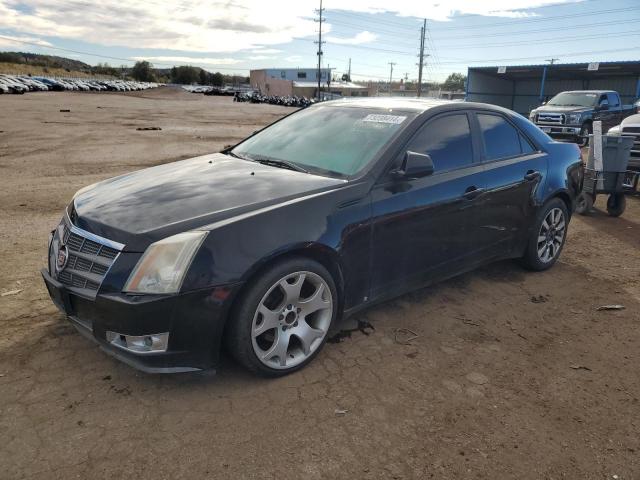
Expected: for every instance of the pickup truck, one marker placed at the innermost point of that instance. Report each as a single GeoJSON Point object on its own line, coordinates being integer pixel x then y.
{"type": "Point", "coordinates": [630, 126]}
{"type": "Point", "coordinates": [570, 115]}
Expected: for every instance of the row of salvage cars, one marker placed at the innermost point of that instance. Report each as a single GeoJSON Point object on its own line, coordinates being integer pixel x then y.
{"type": "Point", "coordinates": [23, 84]}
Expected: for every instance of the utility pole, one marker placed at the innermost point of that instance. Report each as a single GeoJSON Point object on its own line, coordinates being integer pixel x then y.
{"type": "Point", "coordinates": [349, 74]}
{"type": "Point", "coordinates": [544, 78]}
{"type": "Point", "coordinates": [319, 42]}
{"type": "Point", "coordinates": [423, 32]}
{"type": "Point", "coordinates": [391, 75]}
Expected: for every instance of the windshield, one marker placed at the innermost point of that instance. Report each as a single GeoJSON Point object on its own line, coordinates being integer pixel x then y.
{"type": "Point", "coordinates": [574, 99]}
{"type": "Point", "coordinates": [328, 140]}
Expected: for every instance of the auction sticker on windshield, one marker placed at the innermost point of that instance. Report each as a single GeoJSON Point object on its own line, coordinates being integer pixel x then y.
{"type": "Point", "coordinates": [378, 118]}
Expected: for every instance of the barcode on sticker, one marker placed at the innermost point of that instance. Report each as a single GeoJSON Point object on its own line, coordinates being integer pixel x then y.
{"type": "Point", "coordinates": [377, 118]}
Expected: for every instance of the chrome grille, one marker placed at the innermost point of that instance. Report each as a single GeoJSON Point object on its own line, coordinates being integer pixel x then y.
{"type": "Point", "coordinates": [88, 258]}
{"type": "Point", "coordinates": [635, 133]}
{"type": "Point", "coordinates": [551, 119]}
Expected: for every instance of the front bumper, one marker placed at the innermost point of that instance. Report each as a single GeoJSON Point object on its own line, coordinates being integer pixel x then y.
{"type": "Point", "coordinates": [561, 131]}
{"type": "Point", "coordinates": [195, 322]}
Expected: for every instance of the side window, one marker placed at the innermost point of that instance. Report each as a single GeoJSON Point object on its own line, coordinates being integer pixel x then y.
{"type": "Point", "coordinates": [602, 99]}
{"type": "Point", "coordinates": [447, 140]}
{"type": "Point", "coordinates": [501, 139]}
{"type": "Point", "coordinates": [302, 74]}
{"type": "Point", "coordinates": [613, 100]}
{"type": "Point", "coordinates": [525, 145]}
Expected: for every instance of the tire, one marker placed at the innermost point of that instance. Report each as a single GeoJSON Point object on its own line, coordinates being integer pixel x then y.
{"type": "Point", "coordinates": [584, 203]}
{"type": "Point", "coordinates": [616, 204]}
{"type": "Point", "coordinates": [270, 334]}
{"type": "Point", "coordinates": [585, 131]}
{"type": "Point", "coordinates": [547, 236]}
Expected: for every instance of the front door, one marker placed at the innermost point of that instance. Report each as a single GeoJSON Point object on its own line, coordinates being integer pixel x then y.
{"type": "Point", "coordinates": [424, 228]}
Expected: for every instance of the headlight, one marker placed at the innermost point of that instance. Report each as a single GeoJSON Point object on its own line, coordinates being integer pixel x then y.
{"type": "Point", "coordinates": [614, 130]}
{"type": "Point", "coordinates": [573, 118]}
{"type": "Point", "coordinates": [163, 266]}
{"type": "Point", "coordinates": [532, 115]}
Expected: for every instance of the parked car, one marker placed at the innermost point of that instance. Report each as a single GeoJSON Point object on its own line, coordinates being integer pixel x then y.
{"type": "Point", "coordinates": [631, 126]}
{"type": "Point", "coordinates": [327, 211]}
{"type": "Point", "coordinates": [12, 85]}
{"type": "Point", "coordinates": [570, 115]}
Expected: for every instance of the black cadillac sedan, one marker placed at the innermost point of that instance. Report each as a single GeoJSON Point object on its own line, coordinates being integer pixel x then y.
{"type": "Point", "coordinates": [264, 246]}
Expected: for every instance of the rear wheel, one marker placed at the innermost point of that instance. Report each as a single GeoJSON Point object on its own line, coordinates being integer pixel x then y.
{"type": "Point", "coordinates": [282, 320]}
{"type": "Point", "coordinates": [616, 204]}
{"type": "Point", "coordinates": [547, 236]}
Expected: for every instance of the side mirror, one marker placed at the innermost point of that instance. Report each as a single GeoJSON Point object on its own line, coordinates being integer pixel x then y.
{"type": "Point", "coordinates": [414, 165]}
{"type": "Point", "coordinates": [604, 105]}
{"type": "Point", "coordinates": [544, 103]}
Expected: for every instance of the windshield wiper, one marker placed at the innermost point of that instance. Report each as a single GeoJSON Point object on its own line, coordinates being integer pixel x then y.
{"type": "Point", "coordinates": [235, 155]}
{"type": "Point", "coordinates": [277, 163]}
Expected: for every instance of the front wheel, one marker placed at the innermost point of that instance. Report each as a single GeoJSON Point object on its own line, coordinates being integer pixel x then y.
{"type": "Point", "coordinates": [282, 320]}
{"type": "Point", "coordinates": [584, 203]}
{"type": "Point", "coordinates": [547, 236]}
{"type": "Point", "coordinates": [585, 131]}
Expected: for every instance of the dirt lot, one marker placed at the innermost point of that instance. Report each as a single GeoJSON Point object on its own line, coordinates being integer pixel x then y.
{"type": "Point", "coordinates": [513, 374]}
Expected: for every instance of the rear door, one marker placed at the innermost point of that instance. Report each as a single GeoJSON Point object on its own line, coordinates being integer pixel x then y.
{"type": "Point", "coordinates": [513, 171]}
{"type": "Point", "coordinates": [424, 228]}
{"type": "Point", "coordinates": [615, 110]}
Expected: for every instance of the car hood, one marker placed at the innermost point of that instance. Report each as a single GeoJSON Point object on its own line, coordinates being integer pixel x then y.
{"type": "Point", "coordinates": [631, 120]}
{"type": "Point", "coordinates": [144, 206]}
{"type": "Point", "coordinates": [560, 109]}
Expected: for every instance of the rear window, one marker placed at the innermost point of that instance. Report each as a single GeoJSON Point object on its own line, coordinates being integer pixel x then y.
{"type": "Point", "coordinates": [501, 139]}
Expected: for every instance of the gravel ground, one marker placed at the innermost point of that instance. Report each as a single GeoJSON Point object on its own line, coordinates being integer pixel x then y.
{"type": "Point", "coordinates": [512, 374]}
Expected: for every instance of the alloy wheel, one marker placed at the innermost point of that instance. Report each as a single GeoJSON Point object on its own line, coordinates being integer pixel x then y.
{"type": "Point", "coordinates": [551, 235]}
{"type": "Point", "coordinates": [291, 320]}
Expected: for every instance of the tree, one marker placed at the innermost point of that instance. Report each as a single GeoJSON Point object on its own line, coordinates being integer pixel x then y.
{"type": "Point", "coordinates": [185, 75]}
{"type": "Point", "coordinates": [454, 82]}
{"type": "Point", "coordinates": [217, 79]}
{"type": "Point", "coordinates": [204, 78]}
{"type": "Point", "coordinates": [143, 72]}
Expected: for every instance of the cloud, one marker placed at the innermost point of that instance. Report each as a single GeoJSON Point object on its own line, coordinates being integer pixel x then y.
{"type": "Point", "coordinates": [362, 37]}
{"type": "Point", "coordinates": [217, 26]}
{"type": "Point", "coordinates": [261, 57]}
{"type": "Point", "coordinates": [265, 51]}
{"type": "Point", "coordinates": [293, 58]}
{"type": "Point", "coordinates": [198, 61]}
{"type": "Point", "coordinates": [13, 42]}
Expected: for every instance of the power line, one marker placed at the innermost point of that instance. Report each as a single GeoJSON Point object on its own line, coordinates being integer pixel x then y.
{"type": "Point", "coordinates": [403, 25]}
{"type": "Point", "coordinates": [540, 30]}
{"type": "Point", "coordinates": [631, 33]}
{"type": "Point", "coordinates": [541, 19]}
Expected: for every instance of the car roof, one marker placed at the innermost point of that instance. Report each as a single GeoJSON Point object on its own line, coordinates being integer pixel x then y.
{"type": "Point", "coordinates": [398, 103]}
{"type": "Point", "coordinates": [589, 91]}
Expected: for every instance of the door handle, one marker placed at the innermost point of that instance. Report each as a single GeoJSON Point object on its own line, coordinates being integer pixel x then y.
{"type": "Point", "coordinates": [532, 175]}
{"type": "Point", "coordinates": [472, 192]}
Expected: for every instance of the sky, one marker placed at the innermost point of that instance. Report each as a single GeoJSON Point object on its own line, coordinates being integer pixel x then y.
{"type": "Point", "coordinates": [234, 36]}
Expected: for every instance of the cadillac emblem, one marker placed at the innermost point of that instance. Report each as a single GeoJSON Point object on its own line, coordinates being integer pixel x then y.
{"type": "Point", "coordinates": [61, 258]}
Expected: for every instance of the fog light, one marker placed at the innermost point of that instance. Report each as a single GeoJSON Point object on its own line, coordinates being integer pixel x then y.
{"type": "Point", "coordinates": [154, 343]}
